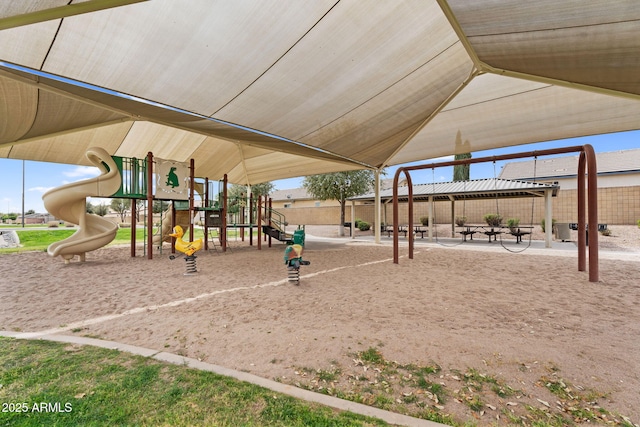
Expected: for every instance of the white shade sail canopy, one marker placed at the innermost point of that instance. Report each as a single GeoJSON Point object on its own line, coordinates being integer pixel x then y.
{"type": "Point", "coordinates": [270, 89]}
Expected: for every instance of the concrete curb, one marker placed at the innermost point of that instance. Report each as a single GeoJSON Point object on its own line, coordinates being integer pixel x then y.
{"type": "Point", "coordinates": [323, 399]}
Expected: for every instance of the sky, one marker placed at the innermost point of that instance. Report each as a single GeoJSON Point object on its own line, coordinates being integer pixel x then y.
{"type": "Point", "coordinates": [40, 177]}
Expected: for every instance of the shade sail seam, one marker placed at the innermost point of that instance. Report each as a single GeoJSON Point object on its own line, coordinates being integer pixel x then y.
{"type": "Point", "coordinates": [542, 30]}
{"type": "Point", "coordinates": [371, 98]}
{"type": "Point", "coordinates": [551, 81]}
{"type": "Point", "coordinates": [266, 70]}
{"type": "Point", "coordinates": [472, 74]}
{"type": "Point", "coordinates": [511, 95]}
{"type": "Point", "coordinates": [53, 40]}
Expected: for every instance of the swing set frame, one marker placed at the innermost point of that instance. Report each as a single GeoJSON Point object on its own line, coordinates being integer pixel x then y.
{"type": "Point", "coordinates": [587, 194]}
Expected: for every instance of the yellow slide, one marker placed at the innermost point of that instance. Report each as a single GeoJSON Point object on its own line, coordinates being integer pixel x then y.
{"type": "Point", "coordinates": [68, 203]}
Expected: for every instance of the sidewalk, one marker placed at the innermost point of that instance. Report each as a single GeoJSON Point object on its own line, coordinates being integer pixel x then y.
{"type": "Point", "coordinates": [535, 247]}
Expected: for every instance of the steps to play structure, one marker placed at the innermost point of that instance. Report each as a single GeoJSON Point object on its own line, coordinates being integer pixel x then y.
{"type": "Point", "coordinates": [68, 203]}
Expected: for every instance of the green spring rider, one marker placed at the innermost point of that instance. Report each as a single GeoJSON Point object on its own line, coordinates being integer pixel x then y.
{"type": "Point", "coordinates": [293, 257]}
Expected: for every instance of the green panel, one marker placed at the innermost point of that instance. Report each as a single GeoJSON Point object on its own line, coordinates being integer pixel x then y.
{"type": "Point", "coordinates": [181, 205]}
{"type": "Point", "coordinates": [134, 177]}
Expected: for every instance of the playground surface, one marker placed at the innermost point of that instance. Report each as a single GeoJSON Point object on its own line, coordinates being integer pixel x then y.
{"type": "Point", "coordinates": [525, 319]}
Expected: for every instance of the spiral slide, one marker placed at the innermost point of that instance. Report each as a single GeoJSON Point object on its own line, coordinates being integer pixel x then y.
{"type": "Point", "coordinates": [68, 203]}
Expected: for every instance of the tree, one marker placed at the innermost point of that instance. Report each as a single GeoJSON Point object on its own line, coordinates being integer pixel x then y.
{"type": "Point", "coordinates": [121, 206]}
{"type": "Point", "coordinates": [159, 206]}
{"type": "Point", "coordinates": [240, 191]}
{"type": "Point", "coordinates": [30, 212]}
{"type": "Point", "coordinates": [238, 195]}
{"type": "Point", "coordinates": [461, 172]}
{"type": "Point", "coordinates": [339, 186]}
{"type": "Point", "coordinates": [89, 208]}
{"type": "Point", "coordinates": [101, 209]}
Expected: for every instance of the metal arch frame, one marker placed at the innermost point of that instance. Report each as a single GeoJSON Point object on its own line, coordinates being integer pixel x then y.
{"type": "Point", "coordinates": [586, 168]}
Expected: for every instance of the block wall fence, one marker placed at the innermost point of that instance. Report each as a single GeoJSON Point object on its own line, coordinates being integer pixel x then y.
{"type": "Point", "coordinates": [616, 205]}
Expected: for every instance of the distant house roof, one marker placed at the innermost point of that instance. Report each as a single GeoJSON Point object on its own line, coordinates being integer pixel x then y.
{"type": "Point", "coordinates": [467, 190]}
{"type": "Point", "coordinates": [612, 162]}
{"type": "Point", "coordinates": [302, 194]}
{"type": "Point", "coordinates": [290, 194]}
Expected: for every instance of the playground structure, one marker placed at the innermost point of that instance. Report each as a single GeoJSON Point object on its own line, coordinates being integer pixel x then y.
{"type": "Point", "coordinates": [132, 178]}
{"type": "Point", "coordinates": [68, 203]}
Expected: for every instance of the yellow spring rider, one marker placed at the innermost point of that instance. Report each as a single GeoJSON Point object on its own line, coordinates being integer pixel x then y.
{"type": "Point", "coordinates": [187, 248]}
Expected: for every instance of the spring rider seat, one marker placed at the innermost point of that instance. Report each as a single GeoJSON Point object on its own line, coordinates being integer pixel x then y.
{"type": "Point", "coordinates": [293, 257]}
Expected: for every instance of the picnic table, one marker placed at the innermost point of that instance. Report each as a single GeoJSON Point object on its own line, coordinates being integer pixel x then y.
{"type": "Point", "coordinates": [401, 229]}
{"type": "Point", "coordinates": [467, 231]}
{"type": "Point", "coordinates": [420, 229]}
{"type": "Point", "coordinates": [492, 233]}
{"type": "Point", "coordinates": [516, 231]}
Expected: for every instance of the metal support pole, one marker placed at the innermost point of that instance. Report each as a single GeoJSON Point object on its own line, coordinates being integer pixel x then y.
{"type": "Point", "coordinates": [259, 222]}
{"type": "Point", "coordinates": [134, 203]}
{"type": "Point", "coordinates": [223, 226]}
{"type": "Point", "coordinates": [582, 214]}
{"type": "Point", "coordinates": [592, 189]}
{"type": "Point", "coordinates": [192, 185]}
{"type": "Point", "coordinates": [548, 218]}
{"type": "Point", "coordinates": [150, 205]}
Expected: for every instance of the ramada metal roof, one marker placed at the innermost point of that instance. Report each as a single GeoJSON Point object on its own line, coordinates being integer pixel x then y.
{"type": "Point", "coordinates": [612, 162]}
{"type": "Point", "coordinates": [467, 190]}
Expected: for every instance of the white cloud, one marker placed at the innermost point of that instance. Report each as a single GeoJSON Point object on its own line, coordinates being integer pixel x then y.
{"type": "Point", "coordinates": [82, 171]}
{"type": "Point", "coordinates": [40, 189]}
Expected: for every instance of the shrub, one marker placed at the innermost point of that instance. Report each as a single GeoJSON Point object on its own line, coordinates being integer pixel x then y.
{"type": "Point", "coordinates": [513, 222]}
{"type": "Point", "coordinates": [424, 220]}
{"type": "Point", "coordinates": [605, 232]}
{"type": "Point", "coordinates": [639, 223]}
{"type": "Point", "coordinates": [493, 220]}
{"type": "Point", "coordinates": [553, 224]}
{"type": "Point", "coordinates": [460, 221]}
{"type": "Point", "coordinates": [363, 225]}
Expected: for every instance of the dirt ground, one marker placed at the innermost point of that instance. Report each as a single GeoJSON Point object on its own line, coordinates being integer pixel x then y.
{"type": "Point", "coordinates": [492, 337]}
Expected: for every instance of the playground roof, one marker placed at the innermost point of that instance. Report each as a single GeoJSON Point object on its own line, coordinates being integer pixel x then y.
{"type": "Point", "coordinates": [270, 89]}
{"type": "Point", "coordinates": [490, 188]}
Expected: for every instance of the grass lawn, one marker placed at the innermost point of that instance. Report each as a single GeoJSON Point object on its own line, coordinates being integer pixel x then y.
{"type": "Point", "coordinates": [55, 384]}
{"type": "Point", "coordinates": [39, 240]}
